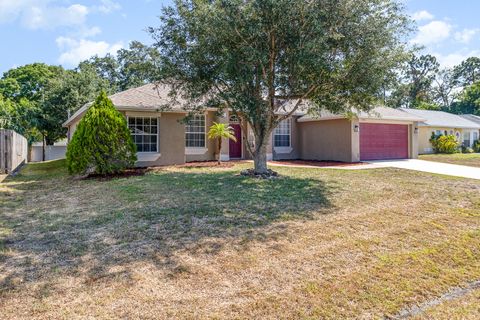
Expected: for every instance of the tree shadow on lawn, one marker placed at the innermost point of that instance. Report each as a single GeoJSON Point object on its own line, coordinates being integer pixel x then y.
{"type": "Point", "coordinates": [89, 227]}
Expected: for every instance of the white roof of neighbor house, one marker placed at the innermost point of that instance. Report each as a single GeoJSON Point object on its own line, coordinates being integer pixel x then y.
{"type": "Point", "coordinates": [442, 119]}
{"type": "Point", "coordinates": [471, 117]}
{"type": "Point", "coordinates": [149, 97]}
{"type": "Point", "coordinates": [380, 113]}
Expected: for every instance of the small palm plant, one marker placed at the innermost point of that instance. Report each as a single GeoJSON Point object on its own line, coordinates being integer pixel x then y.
{"type": "Point", "coordinates": [219, 131]}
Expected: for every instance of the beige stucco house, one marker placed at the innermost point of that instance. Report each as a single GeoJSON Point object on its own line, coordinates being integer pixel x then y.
{"type": "Point", "coordinates": [439, 122]}
{"type": "Point", "coordinates": [163, 139]}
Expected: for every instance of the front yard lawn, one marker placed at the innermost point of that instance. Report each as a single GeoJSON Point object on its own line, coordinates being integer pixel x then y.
{"type": "Point", "coordinates": [465, 159]}
{"type": "Point", "coordinates": [208, 243]}
{"type": "Point", "coordinates": [465, 307]}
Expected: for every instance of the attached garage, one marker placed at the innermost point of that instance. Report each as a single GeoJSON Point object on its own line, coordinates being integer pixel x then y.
{"type": "Point", "coordinates": [381, 141]}
{"type": "Point", "coordinates": [382, 134]}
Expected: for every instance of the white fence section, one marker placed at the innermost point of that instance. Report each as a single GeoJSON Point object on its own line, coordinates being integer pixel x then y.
{"type": "Point", "coordinates": [13, 150]}
{"type": "Point", "coordinates": [51, 153]}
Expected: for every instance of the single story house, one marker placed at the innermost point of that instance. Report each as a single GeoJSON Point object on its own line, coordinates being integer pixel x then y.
{"type": "Point", "coordinates": [439, 122]}
{"type": "Point", "coordinates": [163, 139]}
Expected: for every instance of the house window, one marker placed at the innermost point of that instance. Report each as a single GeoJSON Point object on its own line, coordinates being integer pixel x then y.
{"type": "Point", "coordinates": [281, 134]}
{"type": "Point", "coordinates": [195, 132]}
{"type": "Point", "coordinates": [144, 132]}
{"type": "Point", "coordinates": [475, 136]}
{"type": "Point", "coordinates": [466, 139]}
{"type": "Point", "coordinates": [438, 133]}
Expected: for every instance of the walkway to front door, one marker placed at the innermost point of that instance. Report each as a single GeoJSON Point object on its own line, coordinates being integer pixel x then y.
{"type": "Point", "coordinates": [235, 147]}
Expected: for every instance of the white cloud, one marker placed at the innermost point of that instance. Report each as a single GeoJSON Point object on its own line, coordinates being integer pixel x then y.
{"type": "Point", "coordinates": [75, 51]}
{"type": "Point", "coordinates": [49, 14]}
{"type": "Point", "coordinates": [422, 15]}
{"type": "Point", "coordinates": [108, 6]}
{"type": "Point", "coordinates": [453, 59]}
{"type": "Point", "coordinates": [42, 14]}
{"type": "Point", "coordinates": [37, 17]}
{"type": "Point", "coordinates": [86, 32]}
{"type": "Point", "coordinates": [466, 35]}
{"type": "Point", "coordinates": [11, 9]}
{"type": "Point", "coordinates": [433, 32]}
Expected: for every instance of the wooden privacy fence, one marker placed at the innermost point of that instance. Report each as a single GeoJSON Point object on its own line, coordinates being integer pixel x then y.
{"type": "Point", "coordinates": [13, 150]}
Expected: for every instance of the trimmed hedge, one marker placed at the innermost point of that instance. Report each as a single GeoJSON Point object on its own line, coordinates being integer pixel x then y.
{"type": "Point", "coordinates": [102, 143]}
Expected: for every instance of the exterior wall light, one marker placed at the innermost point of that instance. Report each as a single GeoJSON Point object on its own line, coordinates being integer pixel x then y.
{"type": "Point", "coordinates": [415, 130]}
{"type": "Point", "coordinates": [356, 128]}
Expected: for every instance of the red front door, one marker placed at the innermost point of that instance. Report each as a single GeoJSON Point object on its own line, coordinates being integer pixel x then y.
{"type": "Point", "coordinates": [383, 141]}
{"type": "Point", "coordinates": [236, 146]}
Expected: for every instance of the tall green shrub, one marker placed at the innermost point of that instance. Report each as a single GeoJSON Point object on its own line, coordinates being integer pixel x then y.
{"type": "Point", "coordinates": [102, 143]}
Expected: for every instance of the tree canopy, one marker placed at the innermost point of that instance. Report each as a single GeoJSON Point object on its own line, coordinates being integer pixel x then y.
{"type": "Point", "coordinates": [254, 57]}
{"type": "Point", "coordinates": [129, 68]}
{"type": "Point", "coordinates": [38, 98]}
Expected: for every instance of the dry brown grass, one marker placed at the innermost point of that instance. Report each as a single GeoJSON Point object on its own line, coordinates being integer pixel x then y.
{"type": "Point", "coordinates": [465, 308]}
{"type": "Point", "coordinates": [207, 243]}
{"type": "Point", "coordinates": [465, 159]}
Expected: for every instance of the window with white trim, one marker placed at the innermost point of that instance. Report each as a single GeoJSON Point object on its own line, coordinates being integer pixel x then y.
{"type": "Point", "coordinates": [144, 132]}
{"type": "Point", "coordinates": [281, 134]}
{"type": "Point", "coordinates": [475, 136]}
{"type": "Point", "coordinates": [195, 132]}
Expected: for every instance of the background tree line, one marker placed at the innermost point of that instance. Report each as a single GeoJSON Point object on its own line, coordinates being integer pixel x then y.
{"type": "Point", "coordinates": [422, 84]}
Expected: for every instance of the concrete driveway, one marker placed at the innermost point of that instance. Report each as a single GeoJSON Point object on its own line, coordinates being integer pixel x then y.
{"type": "Point", "coordinates": [431, 167]}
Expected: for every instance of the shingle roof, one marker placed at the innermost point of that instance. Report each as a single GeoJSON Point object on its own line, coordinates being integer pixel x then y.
{"type": "Point", "coordinates": [471, 117]}
{"type": "Point", "coordinates": [149, 97]}
{"type": "Point", "coordinates": [381, 113]}
{"type": "Point", "coordinates": [442, 119]}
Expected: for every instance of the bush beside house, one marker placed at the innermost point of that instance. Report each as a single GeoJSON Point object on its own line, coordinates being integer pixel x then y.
{"type": "Point", "coordinates": [476, 146]}
{"type": "Point", "coordinates": [102, 143]}
{"type": "Point", "coordinates": [444, 143]}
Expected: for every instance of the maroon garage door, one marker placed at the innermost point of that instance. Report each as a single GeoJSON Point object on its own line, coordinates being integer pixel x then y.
{"type": "Point", "coordinates": [383, 141]}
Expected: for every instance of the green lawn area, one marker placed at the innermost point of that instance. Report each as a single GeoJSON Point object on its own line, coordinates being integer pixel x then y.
{"type": "Point", "coordinates": [466, 159]}
{"type": "Point", "coordinates": [208, 243]}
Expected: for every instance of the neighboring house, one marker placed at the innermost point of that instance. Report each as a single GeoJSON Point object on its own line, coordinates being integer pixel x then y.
{"type": "Point", "coordinates": [439, 122]}
{"type": "Point", "coordinates": [163, 139]}
{"type": "Point", "coordinates": [471, 117]}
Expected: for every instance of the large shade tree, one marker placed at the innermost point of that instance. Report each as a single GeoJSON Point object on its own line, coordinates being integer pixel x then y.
{"type": "Point", "coordinates": [256, 57]}
{"type": "Point", "coordinates": [129, 68]}
{"type": "Point", "coordinates": [416, 82]}
{"type": "Point", "coordinates": [26, 88]}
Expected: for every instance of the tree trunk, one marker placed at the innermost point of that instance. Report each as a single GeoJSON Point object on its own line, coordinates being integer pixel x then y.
{"type": "Point", "coordinates": [219, 150]}
{"type": "Point", "coordinates": [260, 155]}
{"type": "Point", "coordinates": [43, 149]}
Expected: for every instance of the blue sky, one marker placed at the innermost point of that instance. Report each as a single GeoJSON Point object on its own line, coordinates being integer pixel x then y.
{"type": "Point", "coordinates": [68, 31]}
